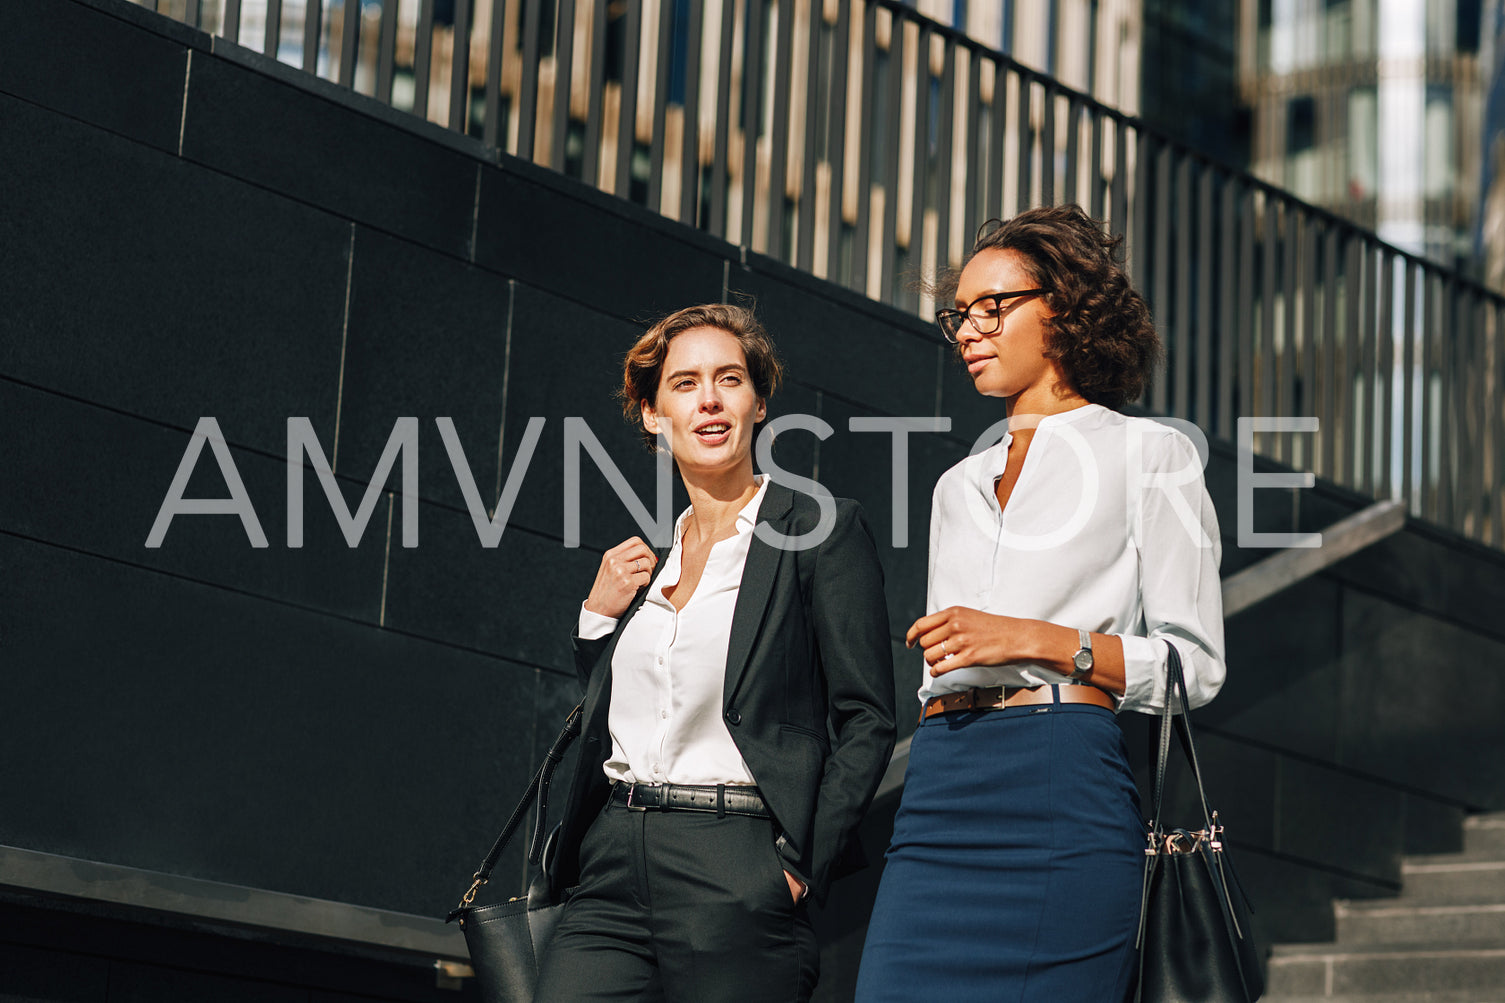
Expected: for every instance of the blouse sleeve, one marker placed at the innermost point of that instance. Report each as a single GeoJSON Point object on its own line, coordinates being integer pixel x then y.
{"type": "Point", "coordinates": [1176, 534]}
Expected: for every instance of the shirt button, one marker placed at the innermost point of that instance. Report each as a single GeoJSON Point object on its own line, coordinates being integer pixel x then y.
{"type": "Point", "coordinates": [664, 714]}
{"type": "Point", "coordinates": [661, 659]}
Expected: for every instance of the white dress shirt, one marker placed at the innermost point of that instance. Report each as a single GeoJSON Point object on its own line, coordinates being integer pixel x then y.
{"type": "Point", "coordinates": [669, 670]}
{"type": "Point", "coordinates": [1108, 528]}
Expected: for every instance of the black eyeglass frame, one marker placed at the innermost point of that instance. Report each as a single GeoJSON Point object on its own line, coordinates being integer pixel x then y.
{"type": "Point", "coordinates": [951, 321]}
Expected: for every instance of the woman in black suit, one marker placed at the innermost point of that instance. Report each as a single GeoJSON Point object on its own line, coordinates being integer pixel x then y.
{"type": "Point", "coordinates": [739, 707]}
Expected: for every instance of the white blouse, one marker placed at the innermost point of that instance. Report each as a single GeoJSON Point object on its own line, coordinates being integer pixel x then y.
{"type": "Point", "coordinates": [1109, 528]}
{"type": "Point", "coordinates": [669, 670]}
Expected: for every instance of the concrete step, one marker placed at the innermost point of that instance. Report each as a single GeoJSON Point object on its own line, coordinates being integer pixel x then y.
{"type": "Point", "coordinates": [1484, 837]}
{"type": "Point", "coordinates": [1328, 970]}
{"type": "Point", "coordinates": [1452, 881]}
{"type": "Point", "coordinates": [1392, 921]}
{"type": "Point", "coordinates": [1391, 997]}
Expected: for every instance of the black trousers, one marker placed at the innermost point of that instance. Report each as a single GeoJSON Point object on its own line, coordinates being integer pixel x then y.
{"type": "Point", "coordinates": [680, 907]}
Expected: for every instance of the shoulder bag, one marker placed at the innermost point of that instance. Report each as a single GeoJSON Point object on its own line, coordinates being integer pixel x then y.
{"type": "Point", "coordinates": [507, 939]}
{"type": "Point", "coordinates": [1195, 938]}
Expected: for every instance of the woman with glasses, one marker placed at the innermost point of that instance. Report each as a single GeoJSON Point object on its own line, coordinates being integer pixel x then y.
{"type": "Point", "coordinates": [1063, 562]}
{"type": "Point", "coordinates": [739, 704]}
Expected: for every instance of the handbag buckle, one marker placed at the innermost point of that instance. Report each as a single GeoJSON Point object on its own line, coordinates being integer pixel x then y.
{"type": "Point", "coordinates": [470, 894]}
{"type": "Point", "coordinates": [1215, 835]}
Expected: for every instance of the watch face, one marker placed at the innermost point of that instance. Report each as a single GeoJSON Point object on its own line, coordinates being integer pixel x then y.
{"type": "Point", "coordinates": [1083, 659]}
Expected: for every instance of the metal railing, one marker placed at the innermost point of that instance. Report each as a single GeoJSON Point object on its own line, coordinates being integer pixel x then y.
{"type": "Point", "coordinates": [861, 142]}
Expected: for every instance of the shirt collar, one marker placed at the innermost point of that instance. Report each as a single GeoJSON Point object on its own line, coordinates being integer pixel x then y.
{"type": "Point", "coordinates": [992, 461]}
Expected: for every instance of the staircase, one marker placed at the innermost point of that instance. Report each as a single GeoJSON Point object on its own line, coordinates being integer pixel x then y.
{"type": "Point", "coordinates": [1441, 941]}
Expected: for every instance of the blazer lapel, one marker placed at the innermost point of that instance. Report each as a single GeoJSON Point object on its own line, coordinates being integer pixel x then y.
{"type": "Point", "coordinates": [758, 576]}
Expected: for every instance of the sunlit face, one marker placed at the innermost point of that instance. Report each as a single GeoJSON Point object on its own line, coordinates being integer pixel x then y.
{"type": "Point", "coordinates": [1010, 361]}
{"type": "Point", "coordinates": [706, 406]}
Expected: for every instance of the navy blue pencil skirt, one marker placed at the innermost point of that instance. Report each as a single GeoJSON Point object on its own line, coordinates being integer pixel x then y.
{"type": "Point", "coordinates": [1015, 867]}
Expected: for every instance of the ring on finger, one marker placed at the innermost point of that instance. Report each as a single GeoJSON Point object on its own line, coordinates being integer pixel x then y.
{"type": "Point", "coordinates": [637, 565]}
{"type": "Point", "coordinates": [945, 654]}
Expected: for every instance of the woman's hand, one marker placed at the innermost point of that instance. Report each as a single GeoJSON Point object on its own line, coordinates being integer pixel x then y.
{"type": "Point", "coordinates": [624, 569]}
{"type": "Point", "coordinates": [958, 637]}
{"type": "Point", "coordinates": [796, 886]}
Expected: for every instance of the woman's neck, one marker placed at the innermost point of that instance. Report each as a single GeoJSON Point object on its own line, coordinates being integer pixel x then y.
{"type": "Point", "coordinates": [716, 501]}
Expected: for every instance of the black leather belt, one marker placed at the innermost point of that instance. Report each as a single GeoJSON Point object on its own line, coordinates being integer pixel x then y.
{"type": "Point", "coordinates": [717, 798]}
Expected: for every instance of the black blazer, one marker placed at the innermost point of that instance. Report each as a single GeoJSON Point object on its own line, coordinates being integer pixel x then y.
{"type": "Point", "coordinates": [809, 692]}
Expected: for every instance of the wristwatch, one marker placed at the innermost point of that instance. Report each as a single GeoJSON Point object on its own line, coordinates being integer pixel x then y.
{"type": "Point", "coordinates": [1082, 660]}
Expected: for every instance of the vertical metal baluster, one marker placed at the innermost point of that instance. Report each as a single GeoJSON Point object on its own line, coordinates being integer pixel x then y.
{"type": "Point", "coordinates": [720, 157]}
{"type": "Point", "coordinates": [350, 33]}
{"type": "Point", "coordinates": [1207, 267]}
{"type": "Point", "coordinates": [1182, 287]}
{"type": "Point", "coordinates": [977, 151]}
{"type": "Point", "coordinates": [627, 113]}
{"type": "Point", "coordinates": [230, 29]}
{"type": "Point", "coordinates": [778, 130]}
{"type": "Point", "coordinates": [1048, 144]}
{"type": "Point", "coordinates": [1364, 428]}
{"type": "Point", "coordinates": [752, 72]}
{"type": "Point", "coordinates": [1269, 265]}
{"type": "Point", "coordinates": [527, 91]}
{"type": "Point", "coordinates": [1384, 381]}
{"type": "Point", "coordinates": [1072, 191]}
{"type": "Point", "coordinates": [945, 144]}
{"type": "Point", "coordinates": [491, 132]}
{"type": "Point", "coordinates": [1431, 486]}
{"type": "Point", "coordinates": [1311, 376]}
{"type": "Point", "coordinates": [836, 133]}
{"type": "Point", "coordinates": [1141, 254]}
{"type": "Point", "coordinates": [1349, 420]}
{"type": "Point", "coordinates": [920, 162]}
{"type": "Point", "coordinates": [1227, 307]}
{"type": "Point", "coordinates": [658, 139]}
{"type": "Point", "coordinates": [863, 127]}
{"type": "Point", "coordinates": [998, 127]}
{"type": "Point", "coordinates": [1023, 134]}
{"type": "Point", "coordinates": [1095, 169]}
{"type": "Point", "coordinates": [1410, 434]}
{"type": "Point", "coordinates": [273, 38]}
{"type": "Point", "coordinates": [888, 238]}
{"type": "Point", "coordinates": [1119, 216]}
{"type": "Point", "coordinates": [386, 51]}
{"type": "Point", "coordinates": [564, 74]}
{"type": "Point", "coordinates": [1331, 344]}
{"type": "Point", "coordinates": [459, 71]}
{"type": "Point", "coordinates": [313, 30]}
{"type": "Point", "coordinates": [1497, 424]}
{"type": "Point", "coordinates": [191, 13]}
{"type": "Point", "coordinates": [689, 149]}
{"type": "Point", "coordinates": [1447, 468]}
{"type": "Point", "coordinates": [804, 236]}
{"type": "Point", "coordinates": [423, 57]}
{"type": "Point", "coordinates": [1244, 316]}
{"type": "Point", "coordinates": [595, 107]}
{"type": "Point", "coordinates": [1159, 249]}
{"type": "Point", "coordinates": [1285, 360]}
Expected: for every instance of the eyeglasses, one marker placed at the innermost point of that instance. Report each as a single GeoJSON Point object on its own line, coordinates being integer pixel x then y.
{"type": "Point", "coordinates": [986, 313]}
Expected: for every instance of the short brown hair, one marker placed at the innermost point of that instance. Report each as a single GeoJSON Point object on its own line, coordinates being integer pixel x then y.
{"type": "Point", "coordinates": [1101, 335]}
{"type": "Point", "coordinates": [645, 360]}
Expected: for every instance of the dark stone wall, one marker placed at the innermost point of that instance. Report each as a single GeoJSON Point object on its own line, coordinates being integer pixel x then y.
{"type": "Point", "coordinates": [191, 230]}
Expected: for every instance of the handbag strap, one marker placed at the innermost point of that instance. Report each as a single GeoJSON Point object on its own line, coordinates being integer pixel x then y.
{"type": "Point", "coordinates": [538, 787]}
{"type": "Point", "coordinates": [1175, 689]}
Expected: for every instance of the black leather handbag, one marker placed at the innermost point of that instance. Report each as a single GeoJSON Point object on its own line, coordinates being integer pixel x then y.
{"type": "Point", "coordinates": [507, 939]}
{"type": "Point", "coordinates": [1195, 938]}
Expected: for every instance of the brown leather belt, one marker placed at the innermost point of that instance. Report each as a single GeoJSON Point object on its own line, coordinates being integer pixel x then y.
{"type": "Point", "coordinates": [981, 698]}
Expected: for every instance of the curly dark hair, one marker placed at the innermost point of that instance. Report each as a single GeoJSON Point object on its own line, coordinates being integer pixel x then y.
{"type": "Point", "coordinates": [645, 359]}
{"type": "Point", "coordinates": [1101, 334]}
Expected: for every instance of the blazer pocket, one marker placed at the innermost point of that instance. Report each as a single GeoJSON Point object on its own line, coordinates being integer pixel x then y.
{"type": "Point", "coordinates": [818, 737]}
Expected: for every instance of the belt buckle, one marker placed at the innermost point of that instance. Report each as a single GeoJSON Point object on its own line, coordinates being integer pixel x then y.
{"type": "Point", "coordinates": [631, 788]}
